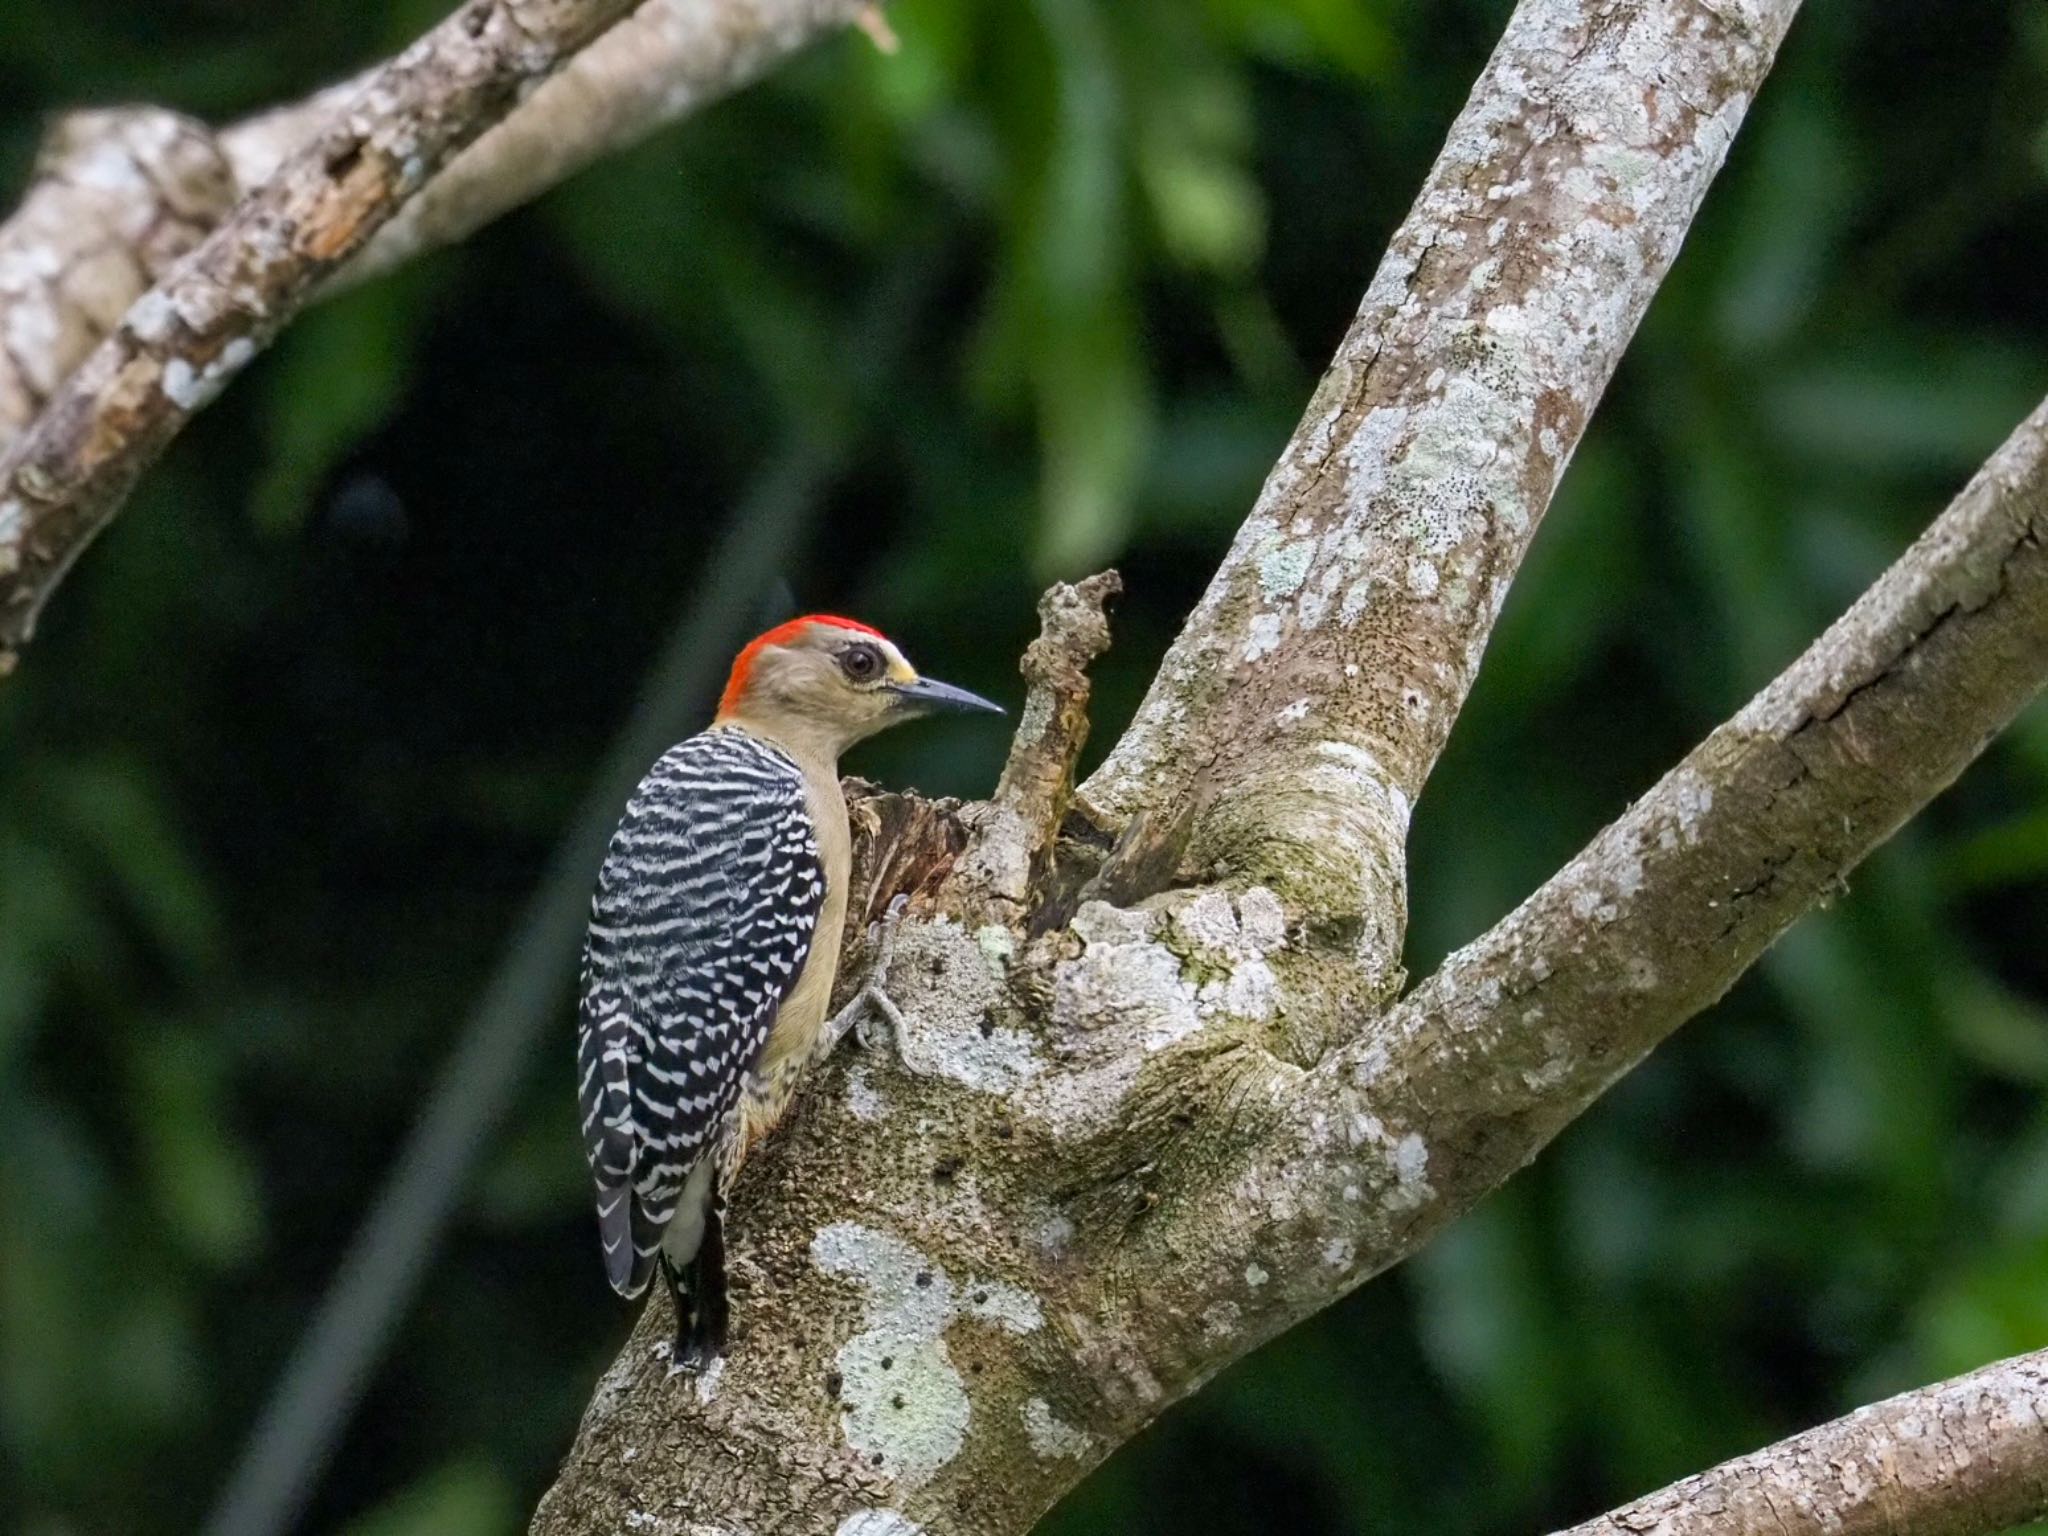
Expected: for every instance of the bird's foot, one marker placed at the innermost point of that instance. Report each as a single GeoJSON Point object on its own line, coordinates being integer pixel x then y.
{"type": "Point", "coordinates": [871, 1001]}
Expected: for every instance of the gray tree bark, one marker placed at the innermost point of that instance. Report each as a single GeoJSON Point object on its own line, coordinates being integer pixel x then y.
{"type": "Point", "coordinates": [1966, 1456]}
{"type": "Point", "coordinates": [1160, 1095]}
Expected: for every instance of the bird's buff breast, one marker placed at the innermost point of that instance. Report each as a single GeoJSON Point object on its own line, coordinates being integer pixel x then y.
{"type": "Point", "coordinates": [794, 1039]}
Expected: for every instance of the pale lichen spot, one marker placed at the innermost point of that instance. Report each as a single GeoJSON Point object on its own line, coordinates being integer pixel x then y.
{"type": "Point", "coordinates": [1422, 578]}
{"type": "Point", "coordinates": [997, 944]}
{"type": "Point", "coordinates": [1695, 798]}
{"type": "Point", "coordinates": [1411, 1160]}
{"type": "Point", "coordinates": [151, 317]}
{"type": "Point", "coordinates": [1262, 919]}
{"type": "Point", "coordinates": [949, 1033]}
{"type": "Point", "coordinates": [1292, 714]}
{"type": "Point", "coordinates": [1283, 570]}
{"type": "Point", "coordinates": [1255, 1276]}
{"type": "Point", "coordinates": [181, 385]}
{"type": "Point", "coordinates": [904, 1406]}
{"type": "Point", "coordinates": [878, 1522]}
{"type": "Point", "coordinates": [1220, 1320]}
{"type": "Point", "coordinates": [1356, 597]}
{"type": "Point", "coordinates": [1263, 637]}
{"type": "Point", "coordinates": [1340, 1253]}
{"type": "Point", "coordinates": [1051, 1437]}
{"type": "Point", "coordinates": [1055, 1236]}
{"type": "Point", "coordinates": [863, 1098]}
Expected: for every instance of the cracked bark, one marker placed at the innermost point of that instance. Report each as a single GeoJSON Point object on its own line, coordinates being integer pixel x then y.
{"type": "Point", "coordinates": [1966, 1456]}
{"type": "Point", "coordinates": [119, 196]}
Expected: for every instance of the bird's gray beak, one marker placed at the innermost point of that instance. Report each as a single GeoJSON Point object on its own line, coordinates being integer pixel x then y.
{"type": "Point", "coordinates": [926, 695]}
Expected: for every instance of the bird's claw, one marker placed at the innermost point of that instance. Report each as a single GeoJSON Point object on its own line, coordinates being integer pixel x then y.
{"type": "Point", "coordinates": [871, 1001]}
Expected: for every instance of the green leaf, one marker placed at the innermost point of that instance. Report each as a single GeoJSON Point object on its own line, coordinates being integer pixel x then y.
{"type": "Point", "coordinates": [113, 813]}
{"type": "Point", "coordinates": [1095, 423]}
{"type": "Point", "coordinates": [199, 1176]}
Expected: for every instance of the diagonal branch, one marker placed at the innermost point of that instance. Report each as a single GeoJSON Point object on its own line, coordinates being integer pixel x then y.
{"type": "Point", "coordinates": [1668, 906]}
{"type": "Point", "coordinates": [1966, 1457]}
{"type": "Point", "coordinates": [120, 194]}
{"type": "Point", "coordinates": [66, 477]}
{"type": "Point", "coordinates": [1311, 691]}
{"type": "Point", "coordinates": [663, 62]}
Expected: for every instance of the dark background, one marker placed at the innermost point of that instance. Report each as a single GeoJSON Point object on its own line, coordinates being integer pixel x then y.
{"type": "Point", "coordinates": [1044, 291]}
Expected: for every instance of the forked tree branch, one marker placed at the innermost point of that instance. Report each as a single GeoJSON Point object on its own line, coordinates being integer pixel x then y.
{"type": "Point", "coordinates": [1967, 1457]}
{"type": "Point", "coordinates": [1115, 1153]}
{"type": "Point", "coordinates": [1151, 1106]}
{"type": "Point", "coordinates": [326, 179]}
{"type": "Point", "coordinates": [1387, 1140]}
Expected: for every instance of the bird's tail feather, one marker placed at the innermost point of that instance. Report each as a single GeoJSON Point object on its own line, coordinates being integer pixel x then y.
{"type": "Point", "coordinates": [630, 1240]}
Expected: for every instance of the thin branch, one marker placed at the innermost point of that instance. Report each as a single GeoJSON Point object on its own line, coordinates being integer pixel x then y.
{"type": "Point", "coordinates": [663, 62]}
{"type": "Point", "coordinates": [67, 475]}
{"type": "Point", "coordinates": [120, 193]}
{"type": "Point", "coordinates": [116, 197]}
{"type": "Point", "coordinates": [1309, 695]}
{"type": "Point", "coordinates": [1968, 1457]}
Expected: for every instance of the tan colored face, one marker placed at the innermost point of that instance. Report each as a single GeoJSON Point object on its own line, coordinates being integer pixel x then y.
{"type": "Point", "coordinates": [836, 686]}
{"type": "Point", "coordinates": [820, 684]}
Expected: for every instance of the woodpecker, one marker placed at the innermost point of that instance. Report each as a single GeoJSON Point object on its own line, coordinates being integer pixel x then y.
{"type": "Point", "coordinates": [713, 940]}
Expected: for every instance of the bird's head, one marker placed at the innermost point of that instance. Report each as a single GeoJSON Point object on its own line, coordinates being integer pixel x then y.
{"type": "Point", "coordinates": [821, 683]}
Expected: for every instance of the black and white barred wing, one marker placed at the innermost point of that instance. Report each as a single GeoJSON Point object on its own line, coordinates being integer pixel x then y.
{"type": "Point", "coordinates": [704, 914]}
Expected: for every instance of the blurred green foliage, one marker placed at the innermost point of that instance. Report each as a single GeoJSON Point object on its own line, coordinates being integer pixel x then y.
{"type": "Point", "coordinates": [301, 730]}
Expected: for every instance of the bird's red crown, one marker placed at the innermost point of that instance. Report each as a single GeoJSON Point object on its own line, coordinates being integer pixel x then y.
{"type": "Point", "coordinates": [743, 664]}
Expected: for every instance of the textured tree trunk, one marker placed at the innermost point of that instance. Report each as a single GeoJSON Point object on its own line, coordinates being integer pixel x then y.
{"type": "Point", "coordinates": [1159, 1095]}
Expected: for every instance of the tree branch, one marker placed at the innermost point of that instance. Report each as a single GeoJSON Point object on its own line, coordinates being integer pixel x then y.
{"type": "Point", "coordinates": [663, 62]}
{"type": "Point", "coordinates": [115, 198]}
{"type": "Point", "coordinates": [1112, 1154]}
{"type": "Point", "coordinates": [1311, 691]}
{"type": "Point", "coordinates": [1354, 1164]}
{"type": "Point", "coordinates": [1965, 1458]}
{"type": "Point", "coordinates": [1663, 911]}
{"type": "Point", "coordinates": [328, 177]}
{"type": "Point", "coordinates": [120, 194]}
{"type": "Point", "coordinates": [1007, 861]}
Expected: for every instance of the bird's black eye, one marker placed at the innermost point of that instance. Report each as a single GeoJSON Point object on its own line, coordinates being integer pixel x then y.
{"type": "Point", "coordinates": [861, 662]}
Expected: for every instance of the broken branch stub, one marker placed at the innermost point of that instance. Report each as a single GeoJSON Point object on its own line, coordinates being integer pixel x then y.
{"type": "Point", "coordinates": [1002, 874]}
